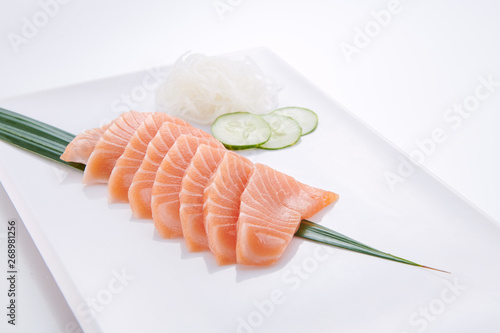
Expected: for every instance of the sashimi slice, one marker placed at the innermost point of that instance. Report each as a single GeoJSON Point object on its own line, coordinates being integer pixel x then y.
{"type": "Point", "coordinates": [272, 206]}
{"type": "Point", "coordinates": [196, 178]}
{"type": "Point", "coordinates": [139, 193]}
{"type": "Point", "coordinates": [129, 162]}
{"type": "Point", "coordinates": [221, 206]}
{"type": "Point", "coordinates": [80, 148]}
{"type": "Point", "coordinates": [197, 175]}
{"type": "Point", "coordinates": [167, 184]}
{"type": "Point", "coordinates": [111, 146]}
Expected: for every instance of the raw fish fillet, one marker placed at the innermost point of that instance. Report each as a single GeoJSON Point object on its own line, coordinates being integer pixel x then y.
{"type": "Point", "coordinates": [80, 148]}
{"type": "Point", "coordinates": [139, 193]}
{"type": "Point", "coordinates": [167, 184]}
{"type": "Point", "coordinates": [111, 146]}
{"type": "Point", "coordinates": [129, 162]}
{"type": "Point", "coordinates": [197, 175]}
{"type": "Point", "coordinates": [221, 205]}
{"type": "Point", "coordinates": [272, 206]}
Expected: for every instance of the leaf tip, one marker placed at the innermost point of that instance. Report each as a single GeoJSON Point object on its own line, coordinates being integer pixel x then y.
{"type": "Point", "coordinates": [435, 269]}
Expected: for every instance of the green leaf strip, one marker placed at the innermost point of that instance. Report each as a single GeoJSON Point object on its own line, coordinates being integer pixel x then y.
{"type": "Point", "coordinates": [34, 126]}
{"type": "Point", "coordinates": [35, 136]}
{"type": "Point", "coordinates": [318, 233]}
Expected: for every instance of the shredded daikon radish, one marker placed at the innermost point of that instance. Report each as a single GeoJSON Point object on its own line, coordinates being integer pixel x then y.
{"type": "Point", "coordinates": [200, 88]}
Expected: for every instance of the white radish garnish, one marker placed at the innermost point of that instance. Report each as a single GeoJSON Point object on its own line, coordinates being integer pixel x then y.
{"type": "Point", "coordinates": [200, 88]}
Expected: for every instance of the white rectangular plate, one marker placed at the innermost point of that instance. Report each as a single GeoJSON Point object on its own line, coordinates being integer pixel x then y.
{"type": "Point", "coordinates": [119, 276]}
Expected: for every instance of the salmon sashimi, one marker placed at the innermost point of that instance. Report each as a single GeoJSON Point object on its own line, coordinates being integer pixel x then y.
{"type": "Point", "coordinates": [167, 184]}
{"type": "Point", "coordinates": [197, 175]}
{"type": "Point", "coordinates": [196, 178]}
{"type": "Point", "coordinates": [80, 148]}
{"type": "Point", "coordinates": [129, 162]}
{"type": "Point", "coordinates": [139, 193]}
{"type": "Point", "coordinates": [221, 205]}
{"type": "Point", "coordinates": [192, 186]}
{"type": "Point", "coordinates": [111, 146]}
{"type": "Point", "coordinates": [272, 206]}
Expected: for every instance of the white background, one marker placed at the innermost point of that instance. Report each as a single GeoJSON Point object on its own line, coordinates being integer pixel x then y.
{"type": "Point", "coordinates": [404, 76]}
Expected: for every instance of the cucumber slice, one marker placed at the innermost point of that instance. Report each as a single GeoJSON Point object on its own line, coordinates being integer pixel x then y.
{"type": "Point", "coordinates": [286, 131]}
{"type": "Point", "coordinates": [241, 130]}
{"type": "Point", "coordinates": [306, 118]}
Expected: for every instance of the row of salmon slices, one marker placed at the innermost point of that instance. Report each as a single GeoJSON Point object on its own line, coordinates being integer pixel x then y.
{"type": "Point", "coordinates": [193, 187]}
